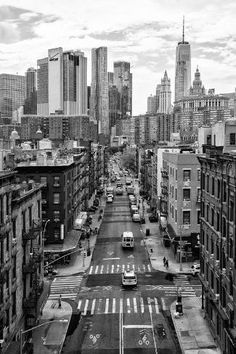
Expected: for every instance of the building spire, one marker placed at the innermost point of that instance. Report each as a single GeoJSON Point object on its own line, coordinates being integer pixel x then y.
{"type": "Point", "coordinates": [183, 29]}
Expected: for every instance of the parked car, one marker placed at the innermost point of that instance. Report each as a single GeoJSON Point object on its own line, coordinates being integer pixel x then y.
{"type": "Point", "coordinates": [195, 269]}
{"type": "Point", "coordinates": [119, 191]}
{"type": "Point", "coordinates": [129, 278]}
{"type": "Point", "coordinates": [109, 199]}
{"type": "Point", "coordinates": [153, 218]}
{"type": "Point", "coordinates": [136, 217]}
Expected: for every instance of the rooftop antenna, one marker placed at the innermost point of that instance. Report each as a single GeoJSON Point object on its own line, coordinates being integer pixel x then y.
{"type": "Point", "coordinates": [183, 29]}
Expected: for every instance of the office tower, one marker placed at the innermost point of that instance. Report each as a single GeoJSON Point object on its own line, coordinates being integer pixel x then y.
{"type": "Point", "coordinates": [165, 95]}
{"type": "Point", "coordinates": [99, 104]}
{"type": "Point", "coordinates": [182, 69]}
{"type": "Point", "coordinates": [110, 79]}
{"type": "Point", "coordinates": [62, 83]}
{"type": "Point", "coordinates": [158, 90]}
{"type": "Point", "coordinates": [12, 94]}
{"type": "Point", "coordinates": [30, 106]}
{"type": "Point", "coordinates": [123, 82]}
{"type": "Point", "coordinates": [152, 104]}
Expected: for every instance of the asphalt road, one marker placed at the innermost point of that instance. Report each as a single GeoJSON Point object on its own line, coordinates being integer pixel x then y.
{"type": "Point", "coordinates": [118, 320]}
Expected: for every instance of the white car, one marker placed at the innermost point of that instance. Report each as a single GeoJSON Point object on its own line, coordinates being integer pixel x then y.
{"type": "Point", "coordinates": [129, 278]}
{"type": "Point", "coordinates": [109, 199]}
{"type": "Point", "coordinates": [136, 217]}
{"type": "Point", "coordinates": [195, 269]}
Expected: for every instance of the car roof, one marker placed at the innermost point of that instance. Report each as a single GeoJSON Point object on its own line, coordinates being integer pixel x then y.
{"type": "Point", "coordinates": [129, 272]}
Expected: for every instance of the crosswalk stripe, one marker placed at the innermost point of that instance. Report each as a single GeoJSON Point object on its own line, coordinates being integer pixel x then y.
{"type": "Point", "coordinates": [149, 268]}
{"type": "Point", "coordinates": [118, 268]}
{"type": "Point", "coordinates": [128, 305]}
{"type": "Point", "coordinates": [96, 270]}
{"type": "Point", "coordinates": [135, 305]}
{"type": "Point", "coordinates": [163, 304]}
{"type": "Point", "coordinates": [102, 267]}
{"type": "Point", "coordinates": [107, 305]}
{"type": "Point", "coordinates": [112, 268]}
{"type": "Point", "coordinates": [156, 305]}
{"type": "Point", "coordinates": [149, 305]}
{"type": "Point", "coordinates": [91, 270]}
{"type": "Point", "coordinates": [142, 305]}
{"type": "Point", "coordinates": [79, 304]}
{"type": "Point", "coordinates": [114, 305]}
{"type": "Point", "coordinates": [93, 306]}
{"type": "Point", "coordinates": [86, 307]}
{"type": "Point", "coordinates": [99, 306]}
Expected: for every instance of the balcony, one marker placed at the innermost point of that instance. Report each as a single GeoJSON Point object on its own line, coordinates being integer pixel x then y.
{"type": "Point", "coordinates": [186, 183]}
{"type": "Point", "coordinates": [33, 231]}
{"type": "Point", "coordinates": [187, 204]}
{"type": "Point", "coordinates": [164, 191]}
{"type": "Point", "coordinates": [30, 302]}
{"type": "Point", "coordinates": [164, 173]}
{"type": "Point", "coordinates": [163, 185]}
{"type": "Point", "coordinates": [30, 267]}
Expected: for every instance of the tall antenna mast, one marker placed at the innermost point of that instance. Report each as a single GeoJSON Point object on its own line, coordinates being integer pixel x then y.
{"type": "Point", "coordinates": [183, 29]}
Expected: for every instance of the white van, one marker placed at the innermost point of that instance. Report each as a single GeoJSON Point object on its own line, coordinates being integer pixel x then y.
{"type": "Point", "coordinates": [127, 239]}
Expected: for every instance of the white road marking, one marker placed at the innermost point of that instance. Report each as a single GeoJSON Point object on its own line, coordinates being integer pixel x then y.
{"type": "Point", "coordinates": [112, 268]}
{"type": "Point", "coordinates": [135, 305]}
{"type": "Point", "coordinates": [114, 305]}
{"type": "Point", "coordinates": [128, 305]}
{"type": "Point", "coordinates": [107, 270]}
{"type": "Point", "coordinates": [91, 270]}
{"type": "Point", "coordinates": [102, 267]}
{"type": "Point", "coordinates": [86, 307]}
{"type": "Point", "coordinates": [137, 326]}
{"type": "Point", "coordinates": [107, 305]}
{"type": "Point", "coordinates": [156, 305]}
{"type": "Point", "coordinates": [93, 306]}
{"type": "Point", "coordinates": [149, 305]}
{"type": "Point", "coordinates": [96, 269]}
{"type": "Point", "coordinates": [163, 304]}
{"type": "Point", "coordinates": [79, 304]}
{"type": "Point", "coordinates": [121, 305]}
{"type": "Point", "coordinates": [109, 259]}
{"type": "Point", "coordinates": [149, 268]}
{"type": "Point", "coordinates": [142, 305]}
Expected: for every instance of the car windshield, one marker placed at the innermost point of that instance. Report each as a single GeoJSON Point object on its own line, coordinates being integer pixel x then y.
{"type": "Point", "coordinates": [129, 276]}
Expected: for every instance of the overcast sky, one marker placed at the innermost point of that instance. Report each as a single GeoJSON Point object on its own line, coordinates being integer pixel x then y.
{"type": "Point", "coordinates": [143, 32]}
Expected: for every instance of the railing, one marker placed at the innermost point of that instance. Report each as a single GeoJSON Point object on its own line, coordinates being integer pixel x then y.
{"type": "Point", "coordinates": [33, 231]}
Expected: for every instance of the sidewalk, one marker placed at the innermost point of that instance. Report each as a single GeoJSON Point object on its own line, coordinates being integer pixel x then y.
{"type": "Point", "coordinates": [192, 329]}
{"type": "Point", "coordinates": [79, 263]}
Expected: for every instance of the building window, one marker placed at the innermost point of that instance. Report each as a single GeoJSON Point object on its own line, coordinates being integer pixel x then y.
{"type": "Point", "coordinates": [203, 180]}
{"type": "Point", "coordinates": [23, 221]}
{"type": "Point", "coordinates": [14, 303]}
{"type": "Point", "coordinates": [186, 194]}
{"type": "Point", "coordinates": [218, 189]}
{"type": "Point", "coordinates": [57, 233]}
{"type": "Point", "coordinates": [218, 222]}
{"type": "Point", "coordinates": [232, 138]}
{"type": "Point", "coordinates": [207, 183]}
{"type": "Point", "coordinates": [186, 175]}
{"type": "Point", "coordinates": [175, 193]}
{"type": "Point", "coordinates": [223, 227]}
{"type": "Point", "coordinates": [56, 198]}
{"type": "Point", "coordinates": [212, 217]}
{"type": "Point", "coordinates": [14, 228]}
{"type": "Point", "coordinates": [56, 181]}
{"type": "Point", "coordinates": [14, 267]}
{"type": "Point", "coordinates": [207, 213]}
{"type": "Point", "coordinates": [213, 186]}
{"type": "Point", "coordinates": [56, 215]}
{"type": "Point", "coordinates": [186, 217]}
{"type": "Point", "coordinates": [175, 215]}
{"type": "Point", "coordinates": [198, 174]}
{"type": "Point", "coordinates": [44, 180]}
{"type": "Point", "coordinates": [224, 191]}
{"type": "Point", "coordinates": [1, 211]}
{"type": "Point", "coordinates": [30, 216]}
{"type": "Point", "coordinates": [39, 209]}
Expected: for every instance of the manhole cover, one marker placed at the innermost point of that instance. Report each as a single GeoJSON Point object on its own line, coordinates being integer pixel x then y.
{"type": "Point", "coordinates": [185, 333]}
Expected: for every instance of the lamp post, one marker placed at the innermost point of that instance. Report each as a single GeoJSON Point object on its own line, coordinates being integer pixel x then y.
{"type": "Point", "coordinates": [43, 234]}
{"type": "Point", "coordinates": [32, 328]}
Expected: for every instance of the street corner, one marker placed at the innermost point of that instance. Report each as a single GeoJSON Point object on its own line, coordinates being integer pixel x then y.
{"type": "Point", "coordinates": [56, 309]}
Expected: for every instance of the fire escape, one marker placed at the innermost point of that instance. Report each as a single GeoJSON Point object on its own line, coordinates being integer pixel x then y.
{"type": "Point", "coordinates": [32, 265]}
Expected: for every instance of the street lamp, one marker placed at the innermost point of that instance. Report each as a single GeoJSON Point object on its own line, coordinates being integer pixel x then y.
{"type": "Point", "coordinates": [32, 328]}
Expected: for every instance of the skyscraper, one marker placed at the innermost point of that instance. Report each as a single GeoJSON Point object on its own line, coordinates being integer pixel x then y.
{"type": "Point", "coordinates": [30, 106]}
{"type": "Point", "coordinates": [62, 83]}
{"type": "Point", "coordinates": [12, 94]}
{"type": "Point", "coordinates": [165, 95]}
{"type": "Point", "coordinates": [99, 105]}
{"type": "Point", "coordinates": [182, 69]}
{"type": "Point", "coordinates": [123, 82]}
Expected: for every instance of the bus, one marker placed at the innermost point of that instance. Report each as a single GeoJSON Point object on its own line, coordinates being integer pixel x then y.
{"type": "Point", "coordinates": [127, 239]}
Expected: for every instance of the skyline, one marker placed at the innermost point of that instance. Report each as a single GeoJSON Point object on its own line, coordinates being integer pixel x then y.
{"type": "Point", "coordinates": [145, 33]}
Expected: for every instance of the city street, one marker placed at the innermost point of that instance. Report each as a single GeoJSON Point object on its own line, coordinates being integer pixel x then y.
{"type": "Point", "coordinates": [117, 320]}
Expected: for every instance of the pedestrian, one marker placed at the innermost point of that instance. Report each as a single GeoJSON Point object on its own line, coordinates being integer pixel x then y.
{"type": "Point", "coordinates": [59, 302]}
{"type": "Point", "coordinates": [167, 264]}
{"type": "Point", "coordinates": [164, 261]}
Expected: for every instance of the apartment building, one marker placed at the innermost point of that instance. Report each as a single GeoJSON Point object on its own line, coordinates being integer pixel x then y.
{"type": "Point", "coordinates": [181, 191]}
{"type": "Point", "coordinates": [21, 260]}
{"type": "Point", "coordinates": [218, 247]}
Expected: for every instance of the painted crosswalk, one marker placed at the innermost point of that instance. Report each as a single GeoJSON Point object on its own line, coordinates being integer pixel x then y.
{"type": "Point", "coordinates": [118, 268]}
{"type": "Point", "coordinates": [119, 305]}
{"type": "Point", "coordinates": [67, 287]}
{"type": "Point", "coordinates": [181, 286]}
